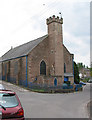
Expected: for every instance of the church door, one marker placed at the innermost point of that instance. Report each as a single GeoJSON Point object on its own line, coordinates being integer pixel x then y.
{"type": "Point", "coordinates": [55, 82]}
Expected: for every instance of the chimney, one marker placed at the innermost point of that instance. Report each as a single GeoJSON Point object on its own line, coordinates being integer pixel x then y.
{"type": "Point", "coordinates": [11, 47]}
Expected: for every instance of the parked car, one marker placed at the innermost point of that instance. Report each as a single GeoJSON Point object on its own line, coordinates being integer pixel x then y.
{"type": "Point", "coordinates": [90, 81]}
{"type": "Point", "coordinates": [10, 106]}
{"type": "Point", "coordinates": [2, 87]}
{"type": "Point", "coordinates": [82, 83]}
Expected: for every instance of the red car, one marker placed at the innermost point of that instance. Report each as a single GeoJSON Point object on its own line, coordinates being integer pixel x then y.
{"type": "Point", "coordinates": [10, 106]}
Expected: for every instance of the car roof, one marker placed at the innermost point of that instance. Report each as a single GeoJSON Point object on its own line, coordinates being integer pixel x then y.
{"type": "Point", "coordinates": [7, 91]}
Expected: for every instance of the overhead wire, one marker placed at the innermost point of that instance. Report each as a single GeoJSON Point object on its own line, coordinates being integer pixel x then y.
{"type": "Point", "coordinates": [39, 14]}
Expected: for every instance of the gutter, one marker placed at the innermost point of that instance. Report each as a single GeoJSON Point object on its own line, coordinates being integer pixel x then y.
{"type": "Point", "coordinates": [13, 58]}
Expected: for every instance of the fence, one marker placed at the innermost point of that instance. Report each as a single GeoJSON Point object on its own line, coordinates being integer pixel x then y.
{"type": "Point", "coordinates": [49, 88]}
{"type": "Point", "coordinates": [44, 87]}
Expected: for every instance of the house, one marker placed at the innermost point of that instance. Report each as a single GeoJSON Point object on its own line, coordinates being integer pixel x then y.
{"type": "Point", "coordinates": [44, 61]}
{"type": "Point", "coordinates": [84, 73]}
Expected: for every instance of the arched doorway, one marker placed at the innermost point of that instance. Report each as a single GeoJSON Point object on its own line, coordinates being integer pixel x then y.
{"type": "Point", "coordinates": [42, 68]}
{"type": "Point", "coordinates": [55, 82]}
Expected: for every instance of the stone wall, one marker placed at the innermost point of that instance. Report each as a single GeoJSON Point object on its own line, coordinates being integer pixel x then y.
{"type": "Point", "coordinates": [14, 70]}
{"type": "Point", "coordinates": [56, 45]}
{"type": "Point", "coordinates": [49, 80]}
{"type": "Point", "coordinates": [71, 79]}
{"type": "Point", "coordinates": [40, 53]}
{"type": "Point", "coordinates": [51, 50]}
{"type": "Point", "coordinates": [68, 60]}
{"type": "Point", "coordinates": [0, 70]}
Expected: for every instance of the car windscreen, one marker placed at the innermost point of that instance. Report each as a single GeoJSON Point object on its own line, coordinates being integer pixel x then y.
{"type": "Point", "coordinates": [8, 100]}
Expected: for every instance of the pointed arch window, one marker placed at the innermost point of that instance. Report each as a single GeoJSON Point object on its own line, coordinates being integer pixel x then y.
{"type": "Point", "coordinates": [42, 68]}
{"type": "Point", "coordinates": [64, 68]}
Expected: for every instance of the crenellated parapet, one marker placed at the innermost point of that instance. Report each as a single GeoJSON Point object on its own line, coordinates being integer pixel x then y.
{"type": "Point", "coordinates": [54, 19]}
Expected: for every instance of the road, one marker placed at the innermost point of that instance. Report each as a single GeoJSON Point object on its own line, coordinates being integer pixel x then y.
{"type": "Point", "coordinates": [65, 105]}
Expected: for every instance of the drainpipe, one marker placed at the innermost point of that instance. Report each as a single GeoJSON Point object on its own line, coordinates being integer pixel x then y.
{"type": "Point", "coordinates": [73, 67]}
{"type": "Point", "coordinates": [26, 70]}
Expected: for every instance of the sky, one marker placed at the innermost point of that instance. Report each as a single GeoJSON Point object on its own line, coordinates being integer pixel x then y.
{"type": "Point", "coordinates": [24, 20]}
{"type": "Point", "coordinates": [91, 34]}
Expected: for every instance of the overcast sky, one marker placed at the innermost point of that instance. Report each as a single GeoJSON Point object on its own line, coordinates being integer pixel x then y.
{"type": "Point", "coordinates": [24, 20]}
{"type": "Point", "coordinates": [91, 33]}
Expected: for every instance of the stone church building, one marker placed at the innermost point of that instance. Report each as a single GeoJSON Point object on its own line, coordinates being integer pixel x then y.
{"type": "Point", "coordinates": [43, 61]}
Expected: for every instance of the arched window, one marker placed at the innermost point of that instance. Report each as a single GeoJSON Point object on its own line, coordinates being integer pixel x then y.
{"type": "Point", "coordinates": [5, 67]}
{"type": "Point", "coordinates": [42, 68]}
{"type": "Point", "coordinates": [64, 68]}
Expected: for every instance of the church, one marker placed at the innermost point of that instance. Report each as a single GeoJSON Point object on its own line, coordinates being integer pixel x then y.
{"type": "Point", "coordinates": [44, 61]}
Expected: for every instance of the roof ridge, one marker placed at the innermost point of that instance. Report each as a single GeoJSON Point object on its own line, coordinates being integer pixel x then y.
{"type": "Point", "coordinates": [67, 49]}
{"type": "Point", "coordinates": [23, 49]}
{"type": "Point", "coordinates": [28, 42]}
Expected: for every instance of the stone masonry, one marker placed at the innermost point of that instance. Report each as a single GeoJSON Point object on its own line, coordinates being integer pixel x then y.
{"type": "Point", "coordinates": [44, 61]}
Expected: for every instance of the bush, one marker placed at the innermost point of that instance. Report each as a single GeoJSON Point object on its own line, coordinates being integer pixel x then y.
{"type": "Point", "coordinates": [85, 80]}
{"type": "Point", "coordinates": [67, 82]}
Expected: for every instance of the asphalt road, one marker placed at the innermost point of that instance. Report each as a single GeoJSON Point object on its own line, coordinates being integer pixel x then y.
{"type": "Point", "coordinates": [39, 105]}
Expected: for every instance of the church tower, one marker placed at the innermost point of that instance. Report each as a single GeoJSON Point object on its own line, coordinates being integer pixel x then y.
{"type": "Point", "coordinates": [56, 46]}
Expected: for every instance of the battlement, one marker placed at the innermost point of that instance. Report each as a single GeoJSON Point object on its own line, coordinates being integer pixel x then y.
{"type": "Point", "coordinates": [54, 19]}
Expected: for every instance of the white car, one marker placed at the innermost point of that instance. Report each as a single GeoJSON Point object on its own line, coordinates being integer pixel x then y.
{"type": "Point", "coordinates": [90, 81]}
{"type": "Point", "coordinates": [2, 87]}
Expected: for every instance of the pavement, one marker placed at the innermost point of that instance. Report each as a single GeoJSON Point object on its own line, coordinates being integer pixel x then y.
{"type": "Point", "coordinates": [89, 107]}
{"type": "Point", "coordinates": [40, 105]}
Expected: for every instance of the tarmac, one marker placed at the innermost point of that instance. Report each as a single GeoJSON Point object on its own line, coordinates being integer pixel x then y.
{"type": "Point", "coordinates": [89, 106]}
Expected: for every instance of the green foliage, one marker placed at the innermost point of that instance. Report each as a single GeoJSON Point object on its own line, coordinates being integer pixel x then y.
{"type": "Point", "coordinates": [85, 80]}
{"type": "Point", "coordinates": [80, 65]}
{"type": "Point", "coordinates": [37, 90]}
{"type": "Point", "coordinates": [86, 66]}
{"type": "Point", "coordinates": [76, 73]}
{"type": "Point", "coordinates": [91, 72]}
{"type": "Point", "coordinates": [67, 82]}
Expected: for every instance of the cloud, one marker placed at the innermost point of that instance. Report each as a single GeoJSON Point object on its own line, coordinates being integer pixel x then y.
{"type": "Point", "coordinates": [79, 47]}
{"type": "Point", "coordinates": [77, 19]}
{"type": "Point", "coordinates": [25, 20]}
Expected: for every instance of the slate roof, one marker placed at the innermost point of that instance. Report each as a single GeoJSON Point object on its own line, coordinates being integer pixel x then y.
{"type": "Point", "coordinates": [22, 50]}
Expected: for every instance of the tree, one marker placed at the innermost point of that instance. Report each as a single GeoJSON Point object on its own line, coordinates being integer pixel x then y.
{"type": "Point", "coordinates": [80, 65]}
{"type": "Point", "coordinates": [91, 72]}
{"type": "Point", "coordinates": [76, 73]}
